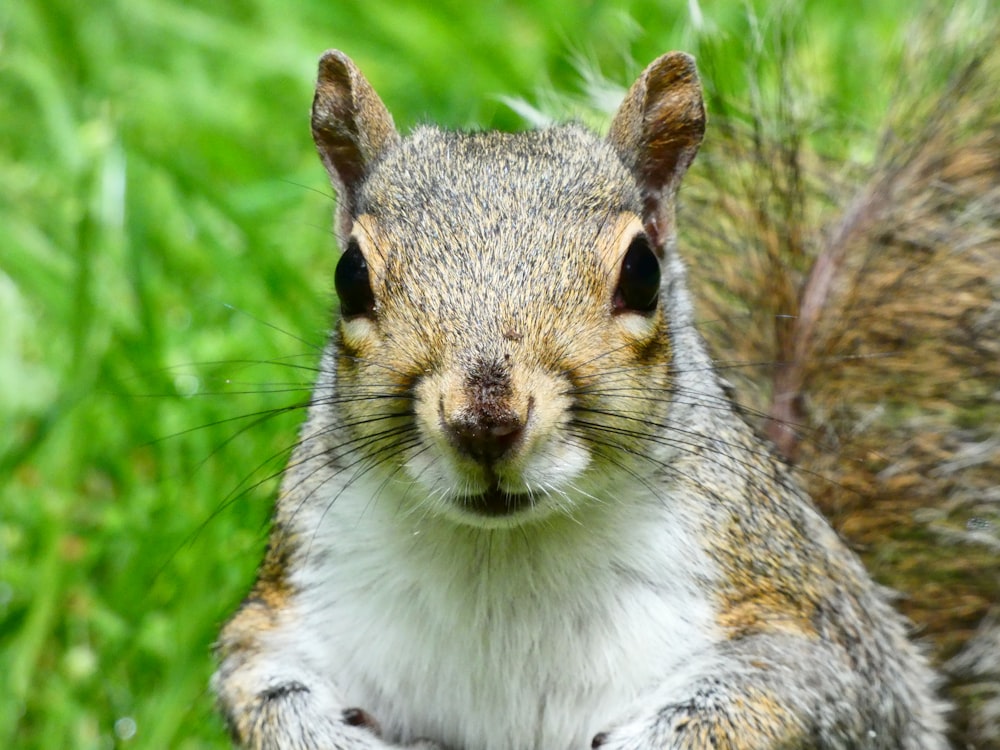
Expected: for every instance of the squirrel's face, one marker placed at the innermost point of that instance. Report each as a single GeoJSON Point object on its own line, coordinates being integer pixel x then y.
{"type": "Point", "coordinates": [501, 326]}
{"type": "Point", "coordinates": [502, 353]}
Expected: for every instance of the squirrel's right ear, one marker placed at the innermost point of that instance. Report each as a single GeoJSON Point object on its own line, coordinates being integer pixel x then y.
{"type": "Point", "coordinates": [351, 127]}
{"type": "Point", "coordinates": [656, 133]}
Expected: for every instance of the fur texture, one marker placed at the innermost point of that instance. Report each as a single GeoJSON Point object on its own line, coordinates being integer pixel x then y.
{"type": "Point", "coordinates": [523, 513]}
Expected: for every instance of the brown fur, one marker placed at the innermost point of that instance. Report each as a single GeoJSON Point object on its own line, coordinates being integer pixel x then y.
{"type": "Point", "coordinates": [870, 297]}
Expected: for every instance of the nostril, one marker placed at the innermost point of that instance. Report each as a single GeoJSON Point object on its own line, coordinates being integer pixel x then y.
{"type": "Point", "coordinates": [503, 430]}
{"type": "Point", "coordinates": [486, 440]}
{"type": "Point", "coordinates": [503, 438]}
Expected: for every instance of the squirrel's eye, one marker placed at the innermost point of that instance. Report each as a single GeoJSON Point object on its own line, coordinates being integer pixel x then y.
{"type": "Point", "coordinates": [354, 289]}
{"type": "Point", "coordinates": [639, 282]}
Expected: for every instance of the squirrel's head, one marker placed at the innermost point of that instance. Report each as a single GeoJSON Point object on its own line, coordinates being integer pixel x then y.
{"type": "Point", "coordinates": [502, 348]}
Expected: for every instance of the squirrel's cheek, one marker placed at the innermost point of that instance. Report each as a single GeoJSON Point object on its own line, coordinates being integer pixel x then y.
{"type": "Point", "coordinates": [358, 335]}
{"type": "Point", "coordinates": [550, 405]}
{"type": "Point", "coordinates": [431, 396]}
{"type": "Point", "coordinates": [637, 329]}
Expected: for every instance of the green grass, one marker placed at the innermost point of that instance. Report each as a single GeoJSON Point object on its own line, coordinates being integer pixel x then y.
{"type": "Point", "coordinates": [165, 273]}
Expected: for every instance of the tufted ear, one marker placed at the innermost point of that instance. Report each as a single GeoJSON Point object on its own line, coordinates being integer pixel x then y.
{"type": "Point", "coordinates": [352, 129]}
{"type": "Point", "coordinates": [656, 133]}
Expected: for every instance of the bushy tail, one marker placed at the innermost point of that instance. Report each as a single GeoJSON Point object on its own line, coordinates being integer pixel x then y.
{"type": "Point", "coordinates": [872, 293]}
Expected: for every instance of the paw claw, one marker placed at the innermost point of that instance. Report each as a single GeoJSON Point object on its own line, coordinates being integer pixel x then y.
{"type": "Point", "coordinates": [358, 717]}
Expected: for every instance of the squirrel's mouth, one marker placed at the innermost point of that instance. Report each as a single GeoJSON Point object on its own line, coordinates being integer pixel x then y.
{"type": "Point", "coordinates": [496, 502]}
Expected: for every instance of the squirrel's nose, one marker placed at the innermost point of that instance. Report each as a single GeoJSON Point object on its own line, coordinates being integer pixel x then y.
{"type": "Point", "coordinates": [486, 438]}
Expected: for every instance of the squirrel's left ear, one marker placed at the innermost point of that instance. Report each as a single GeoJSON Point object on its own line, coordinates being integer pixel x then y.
{"type": "Point", "coordinates": [351, 127]}
{"type": "Point", "coordinates": [656, 133]}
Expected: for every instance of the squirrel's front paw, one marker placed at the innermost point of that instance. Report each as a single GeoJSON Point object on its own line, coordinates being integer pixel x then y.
{"type": "Point", "coordinates": [689, 726]}
{"type": "Point", "coordinates": [358, 717]}
{"type": "Point", "coordinates": [610, 741]}
{"type": "Point", "coordinates": [620, 739]}
{"type": "Point", "coordinates": [293, 716]}
{"type": "Point", "coordinates": [666, 730]}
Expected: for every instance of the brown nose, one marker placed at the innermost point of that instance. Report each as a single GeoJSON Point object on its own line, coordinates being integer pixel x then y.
{"type": "Point", "coordinates": [486, 438]}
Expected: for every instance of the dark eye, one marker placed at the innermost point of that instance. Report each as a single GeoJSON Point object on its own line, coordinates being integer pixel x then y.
{"type": "Point", "coordinates": [639, 282]}
{"type": "Point", "coordinates": [353, 286]}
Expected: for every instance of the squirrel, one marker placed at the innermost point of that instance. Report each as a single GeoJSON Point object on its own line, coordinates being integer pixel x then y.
{"type": "Point", "coordinates": [524, 512]}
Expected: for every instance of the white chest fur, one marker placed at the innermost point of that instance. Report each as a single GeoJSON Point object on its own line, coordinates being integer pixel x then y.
{"type": "Point", "coordinates": [521, 639]}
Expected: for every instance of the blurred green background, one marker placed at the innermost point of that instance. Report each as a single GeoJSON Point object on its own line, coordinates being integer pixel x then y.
{"type": "Point", "coordinates": [166, 260]}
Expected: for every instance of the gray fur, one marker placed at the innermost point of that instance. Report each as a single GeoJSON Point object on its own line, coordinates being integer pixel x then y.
{"type": "Point", "coordinates": [486, 248]}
